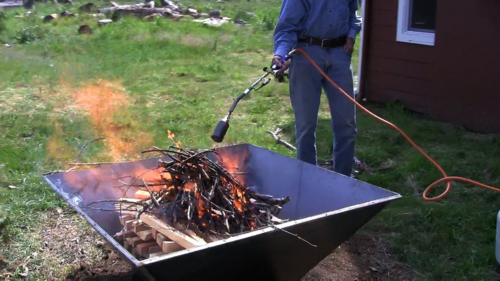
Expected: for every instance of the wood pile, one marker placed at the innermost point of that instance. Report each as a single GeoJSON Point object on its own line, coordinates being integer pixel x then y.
{"type": "Point", "coordinates": [193, 201]}
{"type": "Point", "coordinates": [149, 237]}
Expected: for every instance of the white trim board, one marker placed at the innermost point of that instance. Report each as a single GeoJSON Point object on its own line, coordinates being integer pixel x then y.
{"type": "Point", "coordinates": [360, 51]}
{"type": "Point", "coordinates": [409, 36]}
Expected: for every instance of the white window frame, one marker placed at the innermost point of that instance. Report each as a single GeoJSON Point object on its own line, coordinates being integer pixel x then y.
{"type": "Point", "coordinates": [410, 36]}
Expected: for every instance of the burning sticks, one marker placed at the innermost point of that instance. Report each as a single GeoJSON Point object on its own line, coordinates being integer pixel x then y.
{"type": "Point", "coordinates": [193, 201]}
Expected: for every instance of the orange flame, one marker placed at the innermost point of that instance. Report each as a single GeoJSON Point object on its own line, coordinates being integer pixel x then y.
{"type": "Point", "coordinates": [189, 186]}
{"type": "Point", "coordinates": [105, 102]}
{"type": "Point", "coordinates": [171, 136]}
{"type": "Point", "coordinates": [239, 199]}
{"type": "Point", "coordinates": [201, 207]}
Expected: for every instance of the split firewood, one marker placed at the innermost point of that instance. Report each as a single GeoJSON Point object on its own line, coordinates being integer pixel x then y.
{"type": "Point", "coordinates": [143, 248]}
{"type": "Point", "coordinates": [167, 245]}
{"type": "Point", "coordinates": [170, 247]}
{"type": "Point", "coordinates": [141, 194]}
{"type": "Point", "coordinates": [172, 233]}
{"type": "Point", "coordinates": [155, 251]}
{"type": "Point", "coordinates": [139, 226]}
{"type": "Point", "coordinates": [145, 235]}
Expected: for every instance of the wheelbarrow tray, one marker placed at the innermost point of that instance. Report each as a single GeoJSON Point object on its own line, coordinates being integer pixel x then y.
{"type": "Point", "coordinates": [325, 210]}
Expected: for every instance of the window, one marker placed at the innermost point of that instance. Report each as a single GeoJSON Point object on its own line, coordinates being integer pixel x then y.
{"type": "Point", "coordinates": [416, 21]}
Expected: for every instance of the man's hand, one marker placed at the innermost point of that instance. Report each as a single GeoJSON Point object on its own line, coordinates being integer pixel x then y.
{"type": "Point", "coordinates": [349, 45]}
{"type": "Point", "coordinates": [282, 67]}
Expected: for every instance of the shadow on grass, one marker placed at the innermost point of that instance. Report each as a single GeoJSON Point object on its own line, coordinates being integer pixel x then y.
{"type": "Point", "coordinates": [324, 137]}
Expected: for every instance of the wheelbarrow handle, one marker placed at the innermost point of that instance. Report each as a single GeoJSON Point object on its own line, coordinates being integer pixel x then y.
{"type": "Point", "coordinates": [280, 141]}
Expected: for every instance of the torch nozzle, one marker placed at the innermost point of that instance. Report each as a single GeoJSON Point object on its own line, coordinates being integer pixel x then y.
{"type": "Point", "coordinates": [220, 130]}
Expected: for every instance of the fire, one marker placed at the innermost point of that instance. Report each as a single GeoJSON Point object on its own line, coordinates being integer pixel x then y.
{"type": "Point", "coordinates": [189, 186]}
{"type": "Point", "coordinates": [171, 136]}
{"type": "Point", "coordinates": [239, 198]}
{"type": "Point", "coordinates": [200, 206]}
{"type": "Point", "coordinates": [206, 194]}
{"type": "Point", "coordinates": [104, 101]}
{"type": "Point", "coordinates": [166, 176]}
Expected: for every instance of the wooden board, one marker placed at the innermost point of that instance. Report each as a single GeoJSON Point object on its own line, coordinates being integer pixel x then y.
{"type": "Point", "coordinates": [143, 248]}
{"type": "Point", "coordinates": [139, 226]}
{"type": "Point", "coordinates": [146, 235]}
{"type": "Point", "coordinates": [175, 235]}
{"type": "Point", "coordinates": [384, 5]}
{"type": "Point", "coordinates": [404, 84]}
{"type": "Point", "coordinates": [398, 67]}
{"type": "Point", "coordinates": [171, 246]}
{"type": "Point", "coordinates": [383, 18]}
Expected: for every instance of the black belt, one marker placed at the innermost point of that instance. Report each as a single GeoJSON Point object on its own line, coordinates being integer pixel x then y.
{"type": "Point", "coordinates": [325, 43]}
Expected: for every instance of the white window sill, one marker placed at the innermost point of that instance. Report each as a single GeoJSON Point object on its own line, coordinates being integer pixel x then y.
{"type": "Point", "coordinates": [422, 38]}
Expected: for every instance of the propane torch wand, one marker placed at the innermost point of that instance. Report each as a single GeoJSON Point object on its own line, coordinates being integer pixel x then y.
{"type": "Point", "coordinates": [223, 125]}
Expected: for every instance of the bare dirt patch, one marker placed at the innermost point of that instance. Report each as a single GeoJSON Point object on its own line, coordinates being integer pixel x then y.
{"type": "Point", "coordinates": [63, 244]}
{"type": "Point", "coordinates": [65, 247]}
{"type": "Point", "coordinates": [363, 257]}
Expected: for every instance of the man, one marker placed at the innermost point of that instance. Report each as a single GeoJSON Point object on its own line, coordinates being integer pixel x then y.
{"type": "Point", "coordinates": [326, 31]}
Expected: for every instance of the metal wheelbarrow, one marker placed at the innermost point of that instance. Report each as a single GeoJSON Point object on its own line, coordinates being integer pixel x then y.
{"type": "Point", "coordinates": [325, 210]}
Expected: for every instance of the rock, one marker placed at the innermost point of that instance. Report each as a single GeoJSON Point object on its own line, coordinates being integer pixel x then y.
{"type": "Point", "coordinates": [89, 7]}
{"type": "Point", "coordinates": [85, 29]}
{"type": "Point", "coordinates": [149, 4]}
{"type": "Point", "coordinates": [240, 21]}
{"type": "Point", "coordinates": [50, 17]}
{"type": "Point", "coordinates": [67, 14]}
{"type": "Point", "coordinates": [104, 22]}
{"type": "Point", "coordinates": [190, 11]}
{"type": "Point", "coordinates": [215, 14]}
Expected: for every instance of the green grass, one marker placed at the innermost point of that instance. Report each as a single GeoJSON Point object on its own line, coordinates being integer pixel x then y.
{"type": "Point", "coordinates": [182, 76]}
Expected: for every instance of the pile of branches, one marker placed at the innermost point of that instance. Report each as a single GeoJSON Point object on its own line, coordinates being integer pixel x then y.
{"type": "Point", "coordinates": [201, 194]}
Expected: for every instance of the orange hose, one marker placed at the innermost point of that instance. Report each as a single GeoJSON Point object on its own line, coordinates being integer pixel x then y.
{"type": "Point", "coordinates": [445, 178]}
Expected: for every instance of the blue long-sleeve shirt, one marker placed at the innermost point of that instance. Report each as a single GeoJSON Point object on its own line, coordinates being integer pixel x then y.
{"type": "Point", "coordinates": [314, 18]}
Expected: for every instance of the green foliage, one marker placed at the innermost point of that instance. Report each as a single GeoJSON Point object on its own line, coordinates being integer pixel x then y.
{"type": "Point", "coordinates": [3, 24]}
{"type": "Point", "coordinates": [29, 34]}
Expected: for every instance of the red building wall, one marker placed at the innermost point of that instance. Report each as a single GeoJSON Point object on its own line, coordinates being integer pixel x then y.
{"type": "Point", "coordinates": [452, 81]}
